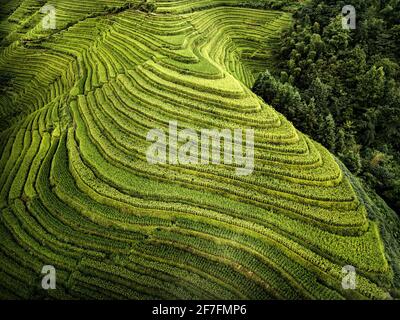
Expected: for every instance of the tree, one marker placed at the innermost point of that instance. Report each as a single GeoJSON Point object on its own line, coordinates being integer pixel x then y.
{"type": "Point", "coordinates": [330, 133]}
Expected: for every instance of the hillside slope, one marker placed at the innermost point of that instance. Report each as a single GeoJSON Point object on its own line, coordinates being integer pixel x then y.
{"type": "Point", "coordinates": [77, 192]}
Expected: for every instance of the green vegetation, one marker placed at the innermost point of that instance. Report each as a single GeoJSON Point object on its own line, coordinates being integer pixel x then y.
{"type": "Point", "coordinates": [76, 191]}
{"type": "Point", "coordinates": [343, 87]}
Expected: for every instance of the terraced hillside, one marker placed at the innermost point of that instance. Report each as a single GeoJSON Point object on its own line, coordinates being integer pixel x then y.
{"type": "Point", "coordinates": [77, 192]}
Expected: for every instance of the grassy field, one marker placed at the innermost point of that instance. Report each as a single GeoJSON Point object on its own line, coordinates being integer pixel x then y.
{"type": "Point", "coordinates": [76, 191]}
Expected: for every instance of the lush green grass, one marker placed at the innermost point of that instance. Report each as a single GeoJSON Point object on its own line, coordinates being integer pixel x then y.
{"type": "Point", "coordinates": [77, 192]}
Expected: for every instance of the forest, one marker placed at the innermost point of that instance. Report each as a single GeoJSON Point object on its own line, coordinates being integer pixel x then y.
{"type": "Point", "coordinates": [342, 87]}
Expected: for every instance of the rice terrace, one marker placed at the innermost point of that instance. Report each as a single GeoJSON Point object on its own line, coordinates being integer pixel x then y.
{"type": "Point", "coordinates": [82, 87]}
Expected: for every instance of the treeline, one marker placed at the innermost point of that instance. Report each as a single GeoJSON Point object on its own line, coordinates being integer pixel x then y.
{"type": "Point", "coordinates": [342, 87]}
{"type": "Point", "coordinates": [271, 4]}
